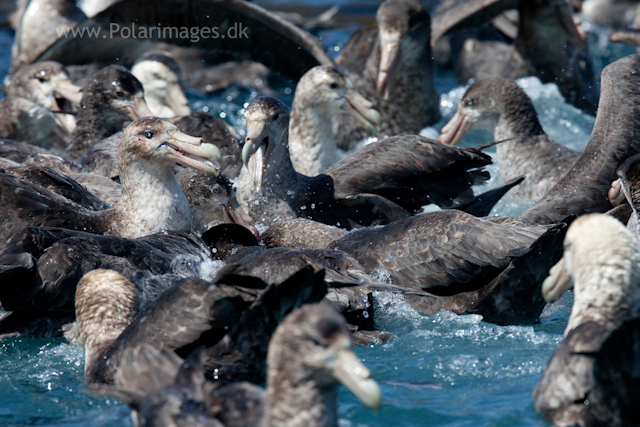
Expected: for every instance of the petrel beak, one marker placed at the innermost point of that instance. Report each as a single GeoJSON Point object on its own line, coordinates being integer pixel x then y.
{"type": "Point", "coordinates": [138, 109]}
{"type": "Point", "coordinates": [616, 194]}
{"type": "Point", "coordinates": [257, 147]}
{"type": "Point", "coordinates": [234, 214]}
{"type": "Point", "coordinates": [557, 283]}
{"type": "Point", "coordinates": [191, 152]}
{"type": "Point", "coordinates": [390, 54]}
{"type": "Point", "coordinates": [63, 88]}
{"type": "Point", "coordinates": [362, 109]}
{"type": "Point", "coordinates": [355, 376]}
{"type": "Point", "coordinates": [176, 100]}
{"type": "Point", "coordinates": [457, 127]}
{"type": "Point", "coordinates": [68, 90]}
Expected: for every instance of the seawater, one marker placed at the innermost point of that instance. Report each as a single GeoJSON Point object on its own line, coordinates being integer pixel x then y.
{"type": "Point", "coordinates": [446, 370]}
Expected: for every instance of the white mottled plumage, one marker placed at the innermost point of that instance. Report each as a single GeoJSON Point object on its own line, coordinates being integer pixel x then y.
{"type": "Point", "coordinates": [602, 261]}
{"type": "Point", "coordinates": [322, 93]}
{"type": "Point", "coordinates": [160, 76]}
{"type": "Point", "coordinates": [151, 200]}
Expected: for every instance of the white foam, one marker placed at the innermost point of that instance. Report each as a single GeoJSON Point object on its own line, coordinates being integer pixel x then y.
{"type": "Point", "coordinates": [209, 269]}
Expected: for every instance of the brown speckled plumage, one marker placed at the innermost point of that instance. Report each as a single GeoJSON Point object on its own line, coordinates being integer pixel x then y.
{"type": "Point", "coordinates": [206, 196]}
{"type": "Point", "coordinates": [294, 375]}
{"type": "Point", "coordinates": [301, 233]}
{"type": "Point", "coordinates": [106, 303]}
{"type": "Point", "coordinates": [102, 111]}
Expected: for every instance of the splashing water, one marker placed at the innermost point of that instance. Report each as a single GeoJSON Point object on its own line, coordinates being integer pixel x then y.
{"type": "Point", "coordinates": [445, 370]}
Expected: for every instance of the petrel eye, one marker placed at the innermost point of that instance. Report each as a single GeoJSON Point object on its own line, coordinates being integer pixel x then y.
{"type": "Point", "coordinates": [275, 117]}
{"type": "Point", "coordinates": [41, 79]}
{"type": "Point", "coordinates": [333, 85]}
{"type": "Point", "coordinates": [315, 341]}
{"type": "Point", "coordinates": [119, 94]}
{"type": "Point", "coordinates": [148, 134]}
{"type": "Point", "coordinates": [469, 102]}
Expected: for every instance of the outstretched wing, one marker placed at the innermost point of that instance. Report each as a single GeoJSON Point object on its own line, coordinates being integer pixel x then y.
{"type": "Point", "coordinates": [412, 171]}
{"type": "Point", "coordinates": [238, 28]}
{"type": "Point", "coordinates": [443, 253]}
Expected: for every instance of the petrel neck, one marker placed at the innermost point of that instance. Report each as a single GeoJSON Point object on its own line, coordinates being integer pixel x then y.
{"type": "Point", "coordinates": [152, 200]}
{"type": "Point", "coordinates": [610, 293]}
{"type": "Point", "coordinates": [27, 121]}
{"type": "Point", "coordinates": [518, 118]}
{"type": "Point", "coordinates": [312, 144]}
{"type": "Point", "coordinates": [306, 404]}
{"type": "Point", "coordinates": [279, 169]}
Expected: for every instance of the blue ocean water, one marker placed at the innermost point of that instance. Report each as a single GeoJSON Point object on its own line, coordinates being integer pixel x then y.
{"type": "Point", "coordinates": [445, 370]}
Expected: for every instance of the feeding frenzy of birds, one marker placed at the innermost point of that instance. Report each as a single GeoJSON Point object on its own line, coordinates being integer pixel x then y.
{"type": "Point", "coordinates": [215, 200]}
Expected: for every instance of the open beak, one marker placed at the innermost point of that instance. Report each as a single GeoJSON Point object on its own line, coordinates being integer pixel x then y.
{"type": "Point", "coordinates": [355, 376]}
{"type": "Point", "coordinates": [557, 283]}
{"type": "Point", "coordinates": [68, 91]}
{"type": "Point", "coordinates": [176, 100]}
{"type": "Point", "coordinates": [191, 152]}
{"type": "Point", "coordinates": [390, 56]}
{"type": "Point", "coordinates": [63, 95]}
{"type": "Point", "coordinates": [362, 109]}
{"type": "Point", "coordinates": [234, 214]}
{"type": "Point", "coordinates": [457, 127]}
{"type": "Point", "coordinates": [257, 147]}
{"type": "Point", "coordinates": [138, 109]}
